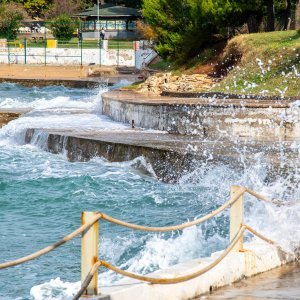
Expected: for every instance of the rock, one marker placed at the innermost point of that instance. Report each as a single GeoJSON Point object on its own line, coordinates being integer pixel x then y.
{"type": "Point", "coordinates": [184, 83]}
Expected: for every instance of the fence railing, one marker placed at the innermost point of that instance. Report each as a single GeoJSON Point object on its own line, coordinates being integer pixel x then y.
{"type": "Point", "coordinates": [38, 45]}
{"type": "Point", "coordinates": [90, 242]}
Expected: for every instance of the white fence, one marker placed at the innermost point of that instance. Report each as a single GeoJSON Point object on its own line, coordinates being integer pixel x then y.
{"type": "Point", "coordinates": [67, 56]}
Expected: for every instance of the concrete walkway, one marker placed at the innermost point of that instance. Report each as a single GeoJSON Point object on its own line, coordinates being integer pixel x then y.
{"type": "Point", "coordinates": [134, 97]}
{"type": "Point", "coordinates": [282, 283]}
{"type": "Point", "coordinates": [71, 76]}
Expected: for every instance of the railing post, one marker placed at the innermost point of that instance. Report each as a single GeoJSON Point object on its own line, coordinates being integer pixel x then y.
{"type": "Point", "coordinates": [236, 217]}
{"type": "Point", "coordinates": [89, 252]}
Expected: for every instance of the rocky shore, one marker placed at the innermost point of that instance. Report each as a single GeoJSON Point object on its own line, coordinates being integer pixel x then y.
{"type": "Point", "coordinates": [166, 82]}
{"type": "Point", "coordinates": [6, 117]}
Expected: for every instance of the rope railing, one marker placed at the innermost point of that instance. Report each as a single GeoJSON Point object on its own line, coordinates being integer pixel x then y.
{"type": "Point", "coordinates": [121, 223]}
{"type": "Point", "coordinates": [47, 249]}
{"type": "Point", "coordinates": [154, 280]}
{"type": "Point", "coordinates": [178, 279]}
{"type": "Point", "coordinates": [236, 234]}
{"type": "Point", "coordinates": [176, 227]}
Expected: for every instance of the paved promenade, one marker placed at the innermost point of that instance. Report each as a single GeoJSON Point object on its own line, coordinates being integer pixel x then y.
{"type": "Point", "coordinates": [151, 99]}
{"type": "Point", "coordinates": [74, 76]}
{"type": "Point", "coordinates": [281, 283]}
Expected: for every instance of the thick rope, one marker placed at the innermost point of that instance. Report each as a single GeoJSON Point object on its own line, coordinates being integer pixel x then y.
{"type": "Point", "coordinates": [51, 247]}
{"type": "Point", "coordinates": [260, 236]}
{"type": "Point", "coordinates": [176, 227]}
{"type": "Point", "coordinates": [180, 278]}
{"type": "Point", "coordinates": [176, 279]}
{"type": "Point", "coordinates": [125, 224]}
{"type": "Point", "coordinates": [132, 226]}
{"type": "Point", "coordinates": [87, 280]}
{"type": "Point", "coordinates": [258, 196]}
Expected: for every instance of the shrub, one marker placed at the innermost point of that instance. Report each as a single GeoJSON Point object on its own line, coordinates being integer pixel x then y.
{"type": "Point", "coordinates": [63, 27]}
{"type": "Point", "coordinates": [11, 15]}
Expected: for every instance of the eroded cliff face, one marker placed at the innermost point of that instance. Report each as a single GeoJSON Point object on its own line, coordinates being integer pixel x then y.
{"type": "Point", "coordinates": [6, 117]}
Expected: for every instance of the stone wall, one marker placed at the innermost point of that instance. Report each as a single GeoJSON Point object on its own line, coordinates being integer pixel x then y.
{"type": "Point", "coordinates": [67, 56]}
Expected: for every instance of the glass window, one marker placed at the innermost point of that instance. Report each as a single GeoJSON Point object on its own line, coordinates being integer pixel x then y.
{"type": "Point", "coordinates": [132, 25]}
{"type": "Point", "coordinates": [121, 24]}
{"type": "Point", "coordinates": [111, 24]}
{"type": "Point", "coordinates": [103, 24]}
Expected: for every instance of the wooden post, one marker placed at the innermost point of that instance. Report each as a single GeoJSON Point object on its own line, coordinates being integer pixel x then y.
{"type": "Point", "coordinates": [89, 252]}
{"type": "Point", "coordinates": [236, 217]}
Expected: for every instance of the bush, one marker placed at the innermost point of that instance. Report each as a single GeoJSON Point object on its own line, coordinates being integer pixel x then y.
{"type": "Point", "coordinates": [63, 27]}
{"type": "Point", "coordinates": [11, 15]}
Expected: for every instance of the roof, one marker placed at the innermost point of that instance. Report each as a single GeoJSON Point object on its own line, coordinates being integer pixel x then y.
{"type": "Point", "coordinates": [108, 10]}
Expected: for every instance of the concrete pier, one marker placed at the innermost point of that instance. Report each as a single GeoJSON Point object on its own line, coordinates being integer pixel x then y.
{"type": "Point", "coordinates": [170, 156]}
{"type": "Point", "coordinates": [206, 117]}
{"type": "Point", "coordinates": [280, 283]}
{"type": "Point", "coordinates": [257, 258]}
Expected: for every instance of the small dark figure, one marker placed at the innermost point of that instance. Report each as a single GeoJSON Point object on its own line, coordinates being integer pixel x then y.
{"type": "Point", "coordinates": [102, 34]}
{"type": "Point", "coordinates": [79, 35]}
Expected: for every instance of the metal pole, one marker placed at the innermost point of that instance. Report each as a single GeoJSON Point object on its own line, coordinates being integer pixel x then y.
{"type": "Point", "coordinates": [135, 50]}
{"type": "Point", "coordinates": [45, 39]}
{"type": "Point", "coordinates": [25, 51]}
{"type": "Point", "coordinates": [8, 50]}
{"type": "Point", "coordinates": [98, 30]}
{"type": "Point", "coordinates": [118, 47]}
{"type": "Point", "coordinates": [89, 252]}
{"type": "Point", "coordinates": [81, 42]}
{"type": "Point", "coordinates": [236, 217]}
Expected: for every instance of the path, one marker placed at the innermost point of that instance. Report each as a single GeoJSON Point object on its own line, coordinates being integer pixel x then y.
{"type": "Point", "coordinates": [281, 283]}
{"type": "Point", "coordinates": [74, 76]}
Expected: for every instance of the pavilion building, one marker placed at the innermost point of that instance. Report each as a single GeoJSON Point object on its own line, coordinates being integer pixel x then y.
{"type": "Point", "coordinates": [117, 21]}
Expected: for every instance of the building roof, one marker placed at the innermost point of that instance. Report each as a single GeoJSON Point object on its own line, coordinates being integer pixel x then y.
{"type": "Point", "coordinates": [108, 10]}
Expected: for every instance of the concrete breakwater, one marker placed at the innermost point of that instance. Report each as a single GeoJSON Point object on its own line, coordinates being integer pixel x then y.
{"type": "Point", "coordinates": [206, 117]}
{"type": "Point", "coordinates": [255, 259]}
{"type": "Point", "coordinates": [165, 156]}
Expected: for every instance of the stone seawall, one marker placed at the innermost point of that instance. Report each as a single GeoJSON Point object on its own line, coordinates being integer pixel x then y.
{"type": "Point", "coordinates": [206, 117]}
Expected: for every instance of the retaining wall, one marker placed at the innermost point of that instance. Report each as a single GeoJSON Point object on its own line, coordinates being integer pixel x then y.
{"type": "Point", "coordinates": [66, 56]}
{"type": "Point", "coordinates": [207, 117]}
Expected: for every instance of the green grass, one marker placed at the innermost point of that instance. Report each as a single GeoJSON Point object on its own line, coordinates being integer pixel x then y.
{"type": "Point", "coordinates": [269, 64]}
{"type": "Point", "coordinates": [132, 87]}
{"type": "Point", "coordinates": [73, 43]}
{"type": "Point", "coordinates": [162, 65]}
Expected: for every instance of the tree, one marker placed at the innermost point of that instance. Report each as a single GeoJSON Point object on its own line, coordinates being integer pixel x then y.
{"type": "Point", "coordinates": [183, 27]}
{"type": "Point", "coordinates": [297, 15]}
{"type": "Point", "coordinates": [36, 8]}
{"type": "Point", "coordinates": [128, 3]}
{"type": "Point", "coordinates": [63, 27]}
{"type": "Point", "coordinates": [11, 15]}
{"type": "Point", "coordinates": [64, 7]}
{"type": "Point", "coordinates": [171, 21]}
{"type": "Point", "coordinates": [270, 15]}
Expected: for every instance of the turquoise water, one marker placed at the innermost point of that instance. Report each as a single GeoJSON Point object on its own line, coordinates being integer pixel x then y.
{"type": "Point", "coordinates": [43, 195]}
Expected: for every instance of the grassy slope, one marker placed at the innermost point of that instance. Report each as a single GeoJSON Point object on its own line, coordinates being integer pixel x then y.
{"type": "Point", "coordinates": [269, 63]}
